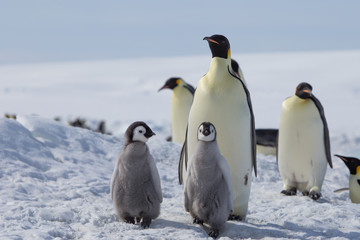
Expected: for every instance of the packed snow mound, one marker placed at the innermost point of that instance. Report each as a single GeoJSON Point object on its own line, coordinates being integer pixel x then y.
{"type": "Point", "coordinates": [55, 183]}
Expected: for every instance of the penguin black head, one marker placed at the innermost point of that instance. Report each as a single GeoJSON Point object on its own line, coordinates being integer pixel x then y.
{"type": "Point", "coordinates": [206, 132]}
{"type": "Point", "coordinates": [173, 82]}
{"type": "Point", "coordinates": [138, 131]}
{"type": "Point", "coordinates": [303, 90]}
{"type": "Point", "coordinates": [352, 163]}
{"type": "Point", "coordinates": [219, 45]}
{"type": "Point", "coordinates": [235, 67]}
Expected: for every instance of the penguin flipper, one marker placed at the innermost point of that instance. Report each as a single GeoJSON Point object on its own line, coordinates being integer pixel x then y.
{"type": "Point", "coordinates": [252, 122]}
{"type": "Point", "coordinates": [341, 190]}
{"type": "Point", "coordinates": [326, 129]}
{"type": "Point", "coordinates": [183, 157]}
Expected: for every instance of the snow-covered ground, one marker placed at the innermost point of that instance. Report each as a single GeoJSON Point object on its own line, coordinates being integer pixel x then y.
{"type": "Point", "coordinates": [55, 178]}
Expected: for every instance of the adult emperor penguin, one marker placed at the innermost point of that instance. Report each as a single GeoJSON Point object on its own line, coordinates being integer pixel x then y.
{"type": "Point", "coordinates": [224, 100]}
{"type": "Point", "coordinates": [303, 143]}
{"type": "Point", "coordinates": [135, 184]}
{"type": "Point", "coordinates": [354, 180]}
{"type": "Point", "coordinates": [208, 175]}
{"type": "Point", "coordinates": [181, 100]}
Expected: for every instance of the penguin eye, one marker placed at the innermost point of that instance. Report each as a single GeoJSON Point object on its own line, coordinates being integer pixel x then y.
{"type": "Point", "coordinates": [140, 131]}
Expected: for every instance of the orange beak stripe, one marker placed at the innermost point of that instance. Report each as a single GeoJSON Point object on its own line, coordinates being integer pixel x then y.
{"type": "Point", "coordinates": [210, 40]}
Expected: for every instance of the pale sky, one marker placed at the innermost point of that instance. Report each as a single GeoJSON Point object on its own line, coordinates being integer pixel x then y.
{"type": "Point", "coordinates": [70, 30]}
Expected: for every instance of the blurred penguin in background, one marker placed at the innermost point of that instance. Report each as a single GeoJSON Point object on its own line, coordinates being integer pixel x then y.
{"type": "Point", "coordinates": [354, 179]}
{"type": "Point", "coordinates": [181, 100]}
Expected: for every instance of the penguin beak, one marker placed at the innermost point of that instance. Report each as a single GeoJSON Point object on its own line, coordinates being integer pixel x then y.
{"type": "Point", "coordinates": [341, 157]}
{"type": "Point", "coordinates": [206, 132]}
{"type": "Point", "coordinates": [210, 40]}
{"type": "Point", "coordinates": [163, 87]}
{"type": "Point", "coordinates": [149, 134]}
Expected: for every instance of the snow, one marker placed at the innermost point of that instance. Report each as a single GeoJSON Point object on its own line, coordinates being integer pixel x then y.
{"type": "Point", "coordinates": [55, 178]}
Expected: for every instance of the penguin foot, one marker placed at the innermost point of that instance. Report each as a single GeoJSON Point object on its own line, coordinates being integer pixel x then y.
{"type": "Point", "coordinates": [146, 222]}
{"type": "Point", "coordinates": [214, 233]}
{"type": "Point", "coordinates": [314, 195]}
{"type": "Point", "coordinates": [198, 221]}
{"type": "Point", "coordinates": [129, 219]}
{"type": "Point", "coordinates": [290, 192]}
{"type": "Point", "coordinates": [233, 217]}
{"type": "Point", "coordinates": [306, 193]}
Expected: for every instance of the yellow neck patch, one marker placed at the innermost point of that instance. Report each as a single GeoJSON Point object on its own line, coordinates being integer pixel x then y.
{"type": "Point", "coordinates": [178, 82]}
{"type": "Point", "coordinates": [228, 54]}
{"type": "Point", "coordinates": [357, 170]}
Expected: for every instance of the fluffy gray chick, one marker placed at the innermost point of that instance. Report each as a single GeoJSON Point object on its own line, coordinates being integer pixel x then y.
{"type": "Point", "coordinates": [135, 184]}
{"type": "Point", "coordinates": [208, 189]}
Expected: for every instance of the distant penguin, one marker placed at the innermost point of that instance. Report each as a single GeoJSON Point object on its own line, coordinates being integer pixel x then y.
{"type": "Point", "coordinates": [266, 141]}
{"type": "Point", "coordinates": [303, 143]}
{"type": "Point", "coordinates": [208, 188]}
{"type": "Point", "coordinates": [224, 100]}
{"type": "Point", "coordinates": [354, 180]}
{"type": "Point", "coordinates": [237, 70]}
{"type": "Point", "coordinates": [135, 184]}
{"type": "Point", "coordinates": [181, 100]}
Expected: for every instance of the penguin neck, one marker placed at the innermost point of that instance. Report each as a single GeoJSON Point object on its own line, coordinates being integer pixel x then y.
{"type": "Point", "coordinates": [219, 68]}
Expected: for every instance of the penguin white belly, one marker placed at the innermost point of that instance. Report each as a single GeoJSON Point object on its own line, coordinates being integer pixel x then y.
{"type": "Point", "coordinates": [229, 112]}
{"type": "Point", "coordinates": [301, 152]}
{"type": "Point", "coordinates": [179, 115]}
{"type": "Point", "coordinates": [354, 188]}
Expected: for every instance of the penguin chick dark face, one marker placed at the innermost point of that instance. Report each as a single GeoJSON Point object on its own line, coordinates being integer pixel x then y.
{"type": "Point", "coordinates": [138, 131]}
{"type": "Point", "coordinates": [352, 163]}
{"type": "Point", "coordinates": [206, 132]}
{"type": "Point", "coordinates": [303, 90]}
{"type": "Point", "coordinates": [219, 45]}
{"type": "Point", "coordinates": [171, 83]}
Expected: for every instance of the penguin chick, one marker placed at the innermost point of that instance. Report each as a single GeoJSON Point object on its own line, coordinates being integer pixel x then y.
{"type": "Point", "coordinates": [303, 143]}
{"type": "Point", "coordinates": [135, 184]}
{"type": "Point", "coordinates": [181, 100]}
{"type": "Point", "coordinates": [224, 100]}
{"type": "Point", "coordinates": [208, 188]}
{"type": "Point", "coordinates": [354, 179]}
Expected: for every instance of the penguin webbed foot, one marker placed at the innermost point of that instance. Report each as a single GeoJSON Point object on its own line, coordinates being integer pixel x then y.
{"type": "Point", "coordinates": [233, 217]}
{"type": "Point", "coordinates": [314, 195]}
{"type": "Point", "coordinates": [289, 192]}
{"type": "Point", "coordinates": [198, 221]}
{"type": "Point", "coordinates": [305, 193]}
{"type": "Point", "coordinates": [146, 222]}
{"type": "Point", "coordinates": [129, 219]}
{"type": "Point", "coordinates": [214, 233]}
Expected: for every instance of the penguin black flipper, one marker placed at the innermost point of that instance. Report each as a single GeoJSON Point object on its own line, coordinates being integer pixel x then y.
{"type": "Point", "coordinates": [253, 138]}
{"type": "Point", "coordinates": [190, 88]}
{"type": "Point", "coordinates": [183, 157]}
{"type": "Point", "coordinates": [326, 129]}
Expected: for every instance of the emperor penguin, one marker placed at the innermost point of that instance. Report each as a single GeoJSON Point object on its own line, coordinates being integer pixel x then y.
{"type": "Point", "coordinates": [208, 188]}
{"type": "Point", "coordinates": [303, 143]}
{"type": "Point", "coordinates": [135, 184]}
{"type": "Point", "coordinates": [224, 100]}
{"type": "Point", "coordinates": [181, 100]}
{"type": "Point", "coordinates": [354, 180]}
